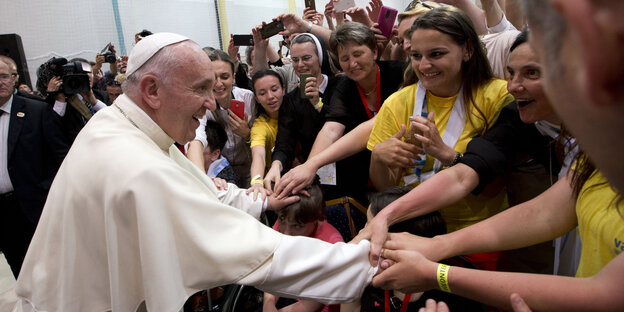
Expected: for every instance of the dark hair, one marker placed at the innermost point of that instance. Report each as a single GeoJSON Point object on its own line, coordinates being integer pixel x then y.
{"type": "Point", "coordinates": [48, 70]}
{"type": "Point", "coordinates": [307, 209]}
{"type": "Point", "coordinates": [145, 33]}
{"type": "Point", "coordinates": [254, 79]}
{"type": "Point", "coordinates": [79, 59]}
{"type": "Point", "coordinates": [355, 33]}
{"type": "Point", "coordinates": [522, 37]}
{"type": "Point", "coordinates": [584, 167]}
{"type": "Point", "coordinates": [476, 71]}
{"type": "Point", "coordinates": [218, 55]}
{"type": "Point", "coordinates": [215, 135]}
{"type": "Point", "coordinates": [113, 83]}
{"type": "Point", "coordinates": [428, 225]}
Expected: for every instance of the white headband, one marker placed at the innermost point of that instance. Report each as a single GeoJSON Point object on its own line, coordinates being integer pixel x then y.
{"type": "Point", "coordinates": [319, 51]}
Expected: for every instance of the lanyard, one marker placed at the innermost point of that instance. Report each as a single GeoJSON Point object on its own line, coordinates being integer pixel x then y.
{"type": "Point", "coordinates": [363, 96]}
{"type": "Point", "coordinates": [404, 304]}
{"type": "Point", "coordinates": [454, 129]}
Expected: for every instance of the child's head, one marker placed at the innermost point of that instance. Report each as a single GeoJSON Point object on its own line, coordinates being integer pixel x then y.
{"type": "Point", "coordinates": [301, 218]}
{"type": "Point", "coordinates": [216, 137]}
{"type": "Point", "coordinates": [428, 225]}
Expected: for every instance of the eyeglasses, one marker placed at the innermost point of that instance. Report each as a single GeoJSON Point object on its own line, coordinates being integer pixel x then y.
{"type": "Point", "coordinates": [413, 4]}
{"type": "Point", "coordinates": [305, 58]}
{"type": "Point", "coordinates": [7, 78]}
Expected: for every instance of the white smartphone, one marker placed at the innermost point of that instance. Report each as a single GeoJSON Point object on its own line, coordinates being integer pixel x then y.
{"type": "Point", "coordinates": [343, 5]}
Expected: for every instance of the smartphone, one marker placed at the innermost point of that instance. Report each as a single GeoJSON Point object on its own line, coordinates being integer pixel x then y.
{"type": "Point", "coordinates": [310, 4]}
{"type": "Point", "coordinates": [271, 29]}
{"type": "Point", "coordinates": [243, 40]}
{"type": "Point", "coordinates": [387, 17]}
{"type": "Point", "coordinates": [303, 81]}
{"type": "Point", "coordinates": [343, 5]}
{"type": "Point", "coordinates": [238, 108]}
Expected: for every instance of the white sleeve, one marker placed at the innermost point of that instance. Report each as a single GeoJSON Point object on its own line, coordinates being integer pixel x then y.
{"type": "Point", "coordinates": [237, 197]}
{"type": "Point", "coordinates": [200, 132]}
{"type": "Point", "coordinates": [59, 108]}
{"type": "Point", "coordinates": [503, 25]}
{"type": "Point", "coordinates": [98, 105]}
{"type": "Point", "coordinates": [309, 268]}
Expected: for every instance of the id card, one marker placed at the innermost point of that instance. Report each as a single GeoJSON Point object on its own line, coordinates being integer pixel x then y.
{"type": "Point", "coordinates": [327, 174]}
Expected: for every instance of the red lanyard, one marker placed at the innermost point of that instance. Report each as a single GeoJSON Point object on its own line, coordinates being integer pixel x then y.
{"type": "Point", "coordinates": [363, 97]}
{"type": "Point", "coordinates": [387, 301]}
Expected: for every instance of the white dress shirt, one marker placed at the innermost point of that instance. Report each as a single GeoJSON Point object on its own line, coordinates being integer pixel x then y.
{"type": "Point", "coordinates": [5, 116]}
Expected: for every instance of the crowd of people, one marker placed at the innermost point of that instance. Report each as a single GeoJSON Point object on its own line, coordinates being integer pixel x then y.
{"type": "Point", "coordinates": [485, 149]}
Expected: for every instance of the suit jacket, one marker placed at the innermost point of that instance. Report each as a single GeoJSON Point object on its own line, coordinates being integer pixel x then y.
{"type": "Point", "coordinates": [36, 148]}
{"type": "Point", "coordinates": [73, 121]}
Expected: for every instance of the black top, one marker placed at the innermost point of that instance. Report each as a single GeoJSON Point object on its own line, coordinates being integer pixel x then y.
{"type": "Point", "coordinates": [348, 109]}
{"type": "Point", "coordinates": [508, 145]}
{"type": "Point", "coordinates": [346, 105]}
{"type": "Point", "coordinates": [36, 148]}
{"type": "Point", "coordinates": [298, 124]}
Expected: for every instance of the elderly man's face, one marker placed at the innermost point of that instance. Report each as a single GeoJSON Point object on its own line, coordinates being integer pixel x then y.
{"type": "Point", "coordinates": [7, 82]}
{"type": "Point", "coordinates": [583, 80]}
{"type": "Point", "coordinates": [187, 94]}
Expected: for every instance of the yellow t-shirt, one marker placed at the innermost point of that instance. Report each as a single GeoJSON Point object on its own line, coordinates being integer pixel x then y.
{"type": "Point", "coordinates": [490, 98]}
{"type": "Point", "coordinates": [264, 133]}
{"type": "Point", "coordinates": [601, 227]}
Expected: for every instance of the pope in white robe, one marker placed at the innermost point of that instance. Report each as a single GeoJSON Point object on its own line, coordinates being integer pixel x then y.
{"type": "Point", "coordinates": [130, 224]}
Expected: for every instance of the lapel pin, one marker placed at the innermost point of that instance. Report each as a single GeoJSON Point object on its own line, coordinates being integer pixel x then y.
{"type": "Point", "coordinates": [20, 114]}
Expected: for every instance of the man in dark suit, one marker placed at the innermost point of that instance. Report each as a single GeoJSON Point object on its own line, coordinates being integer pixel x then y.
{"type": "Point", "coordinates": [32, 147]}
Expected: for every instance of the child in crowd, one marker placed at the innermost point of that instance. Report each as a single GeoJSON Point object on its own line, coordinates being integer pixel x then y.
{"type": "Point", "coordinates": [429, 225]}
{"type": "Point", "coordinates": [304, 218]}
{"type": "Point", "coordinates": [218, 166]}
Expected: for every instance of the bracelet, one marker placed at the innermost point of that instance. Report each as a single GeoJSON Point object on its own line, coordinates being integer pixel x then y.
{"type": "Point", "coordinates": [257, 179]}
{"type": "Point", "coordinates": [309, 27]}
{"type": "Point", "coordinates": [458, 157]}
{"type": "Point", "coordinates": [442, 273]}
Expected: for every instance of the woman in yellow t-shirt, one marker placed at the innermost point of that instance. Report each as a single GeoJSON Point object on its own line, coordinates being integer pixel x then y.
{"type": "Point", "coordinates": [269, 92]}
{"type": "Point", "coordinates": [459, 96]}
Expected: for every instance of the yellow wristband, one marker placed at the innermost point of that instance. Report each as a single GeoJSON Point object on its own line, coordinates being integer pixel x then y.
{"type": "Point", "coordinates": [443, 271]}
{"type": "Point", "coordinates": [257, 179]}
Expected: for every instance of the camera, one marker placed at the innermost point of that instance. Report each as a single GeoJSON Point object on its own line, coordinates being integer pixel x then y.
{"type": "Point", "coordinates": [109, 56]}
{"type": "Point", "coordinates": [74, 75]}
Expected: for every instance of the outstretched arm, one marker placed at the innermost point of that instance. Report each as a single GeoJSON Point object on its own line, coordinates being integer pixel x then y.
{"type": "Point", "coordinates": [543, 218]}
{"type": "Point", "coordinates": [349, 144]}
{"type": "Point", "coordinates": [412, 272]}
{"type": "Point", "coordinates": [443, 189]}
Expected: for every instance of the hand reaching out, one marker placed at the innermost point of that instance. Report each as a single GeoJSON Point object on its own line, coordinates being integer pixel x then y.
{"type": "Point", "coordinates": [295, 180]}
{"type": "Point", "coordinates": [373, 8]}
{"type": "Point", "coordinates": [359, 15]}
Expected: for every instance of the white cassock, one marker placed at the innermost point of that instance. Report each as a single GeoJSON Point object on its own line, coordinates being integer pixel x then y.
{"type": "Point", "coordinates": [129, 220]}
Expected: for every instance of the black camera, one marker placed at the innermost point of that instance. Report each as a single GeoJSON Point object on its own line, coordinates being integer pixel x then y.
{"type": "Point", "coordinates": [76, 78]}
{"type": "Point", "coordinates": [74, 75]}
{"type": "Point", "coordinates": [109, 56]}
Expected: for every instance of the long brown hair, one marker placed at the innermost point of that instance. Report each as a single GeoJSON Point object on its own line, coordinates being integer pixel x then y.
{"type": "Point", "coordinates": [584, 169]}
{"type": "Point", "coordinates": [476, 71]}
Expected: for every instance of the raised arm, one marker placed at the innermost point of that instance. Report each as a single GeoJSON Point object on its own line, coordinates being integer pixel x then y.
{"type": "Point", "coordinates": [295, 24]}
{"type": "Point", "coordinates": [476, 15]}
